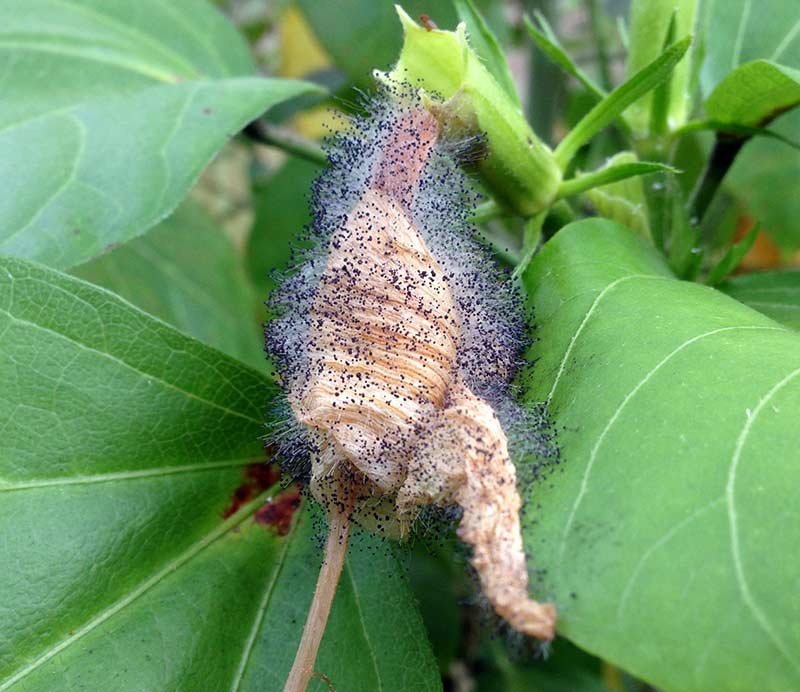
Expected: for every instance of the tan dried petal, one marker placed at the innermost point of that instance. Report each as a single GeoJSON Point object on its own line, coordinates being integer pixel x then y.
{"type": "Point", "coordinates": [383, 395]}
{"type": "Point", "coordinates": [384, 329]}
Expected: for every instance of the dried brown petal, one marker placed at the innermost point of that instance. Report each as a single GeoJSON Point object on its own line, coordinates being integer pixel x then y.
{"type": "Point", "coordinates": [394, 423]}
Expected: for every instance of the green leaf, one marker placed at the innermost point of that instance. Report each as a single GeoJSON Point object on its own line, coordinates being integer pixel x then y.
{"type": "Point", "coordinates": [775, 293]}
{"type": "Point", "coordinates": [123, 443]}
{"type": "Point", "coordinates": [91, 386]}
{"type": "Point", "coordinates": [765, 177]}
{"type": "Point", "coordinates": [281, 213]}
{"type": "Point", "coordinates": [109, 113]}
{"type": "Point", "coordinates": [649, 25]}
{"type": "Point", "coordinates": [531, 237]}
{"type": "Point", "coordinates": [732, 257]}
{"type": "Point", "coordinates": [485, 44]}
{"type": "Point", "coordinates": [661, 98]}
{"type": "Point", "coordinates": [439, 583]}
{"type": "Point", "coordinates": [186, 272]}
{"type": "Point", "coordinates": [667, 532]}
{"type": "Point", "coordinates": [765, 173]}
{"type": "Point", "coordinates": [548, 43]}
{"type": "Point", "coordinates": [605, 112]}
{"type": "Point", "coordinates": [611, 173]}
{"type": "Point", "coordinates": [622, 201]}
{"type": "Point", "coordinates": [739, 31]}
{"type": "Point", "coordinates": [743, 131]}
{"type": "Point", "coordinates": [754, 93]}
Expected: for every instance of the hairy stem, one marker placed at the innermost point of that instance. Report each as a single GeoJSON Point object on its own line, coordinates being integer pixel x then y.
{"type": "Point", "coordinates": [335, 552]}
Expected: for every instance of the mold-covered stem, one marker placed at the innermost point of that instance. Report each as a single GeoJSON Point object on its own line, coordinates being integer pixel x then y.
{"type": "Point", "coordinates": [335, 552]}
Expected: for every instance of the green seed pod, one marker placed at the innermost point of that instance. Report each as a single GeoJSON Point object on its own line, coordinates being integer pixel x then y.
{"type": "Point", "coordinates": [519, 169]}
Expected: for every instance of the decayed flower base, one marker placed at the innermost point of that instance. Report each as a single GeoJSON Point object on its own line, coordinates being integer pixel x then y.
{"type": "Point", "coordinates": [395, 339]}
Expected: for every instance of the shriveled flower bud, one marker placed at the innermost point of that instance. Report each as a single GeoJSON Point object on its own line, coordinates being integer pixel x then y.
{"type": "Point", "coordinates": [395, 342]}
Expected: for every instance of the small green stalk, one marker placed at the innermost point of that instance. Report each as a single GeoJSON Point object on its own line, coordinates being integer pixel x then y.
{"type": "Point", "coordinates": [612, 107]}
{"type": "Point", "coordinates": [610, 174]}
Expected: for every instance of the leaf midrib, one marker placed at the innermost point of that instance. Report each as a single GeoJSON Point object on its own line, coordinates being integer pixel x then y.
{"type": "Point", "coordinates": [11, 486]}
{"type": "Point", "coordinates": [741, 578]}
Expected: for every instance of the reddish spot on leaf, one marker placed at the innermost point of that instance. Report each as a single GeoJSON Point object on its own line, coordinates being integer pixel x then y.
{"type": "Point", "coordinates": [258, 477]}
{"type": "Point", "coordinates": [263, 476]}
{"type": "Point", "coordinates": [241, 495]}
{"type": "Point", "coordinates": [279, 510]}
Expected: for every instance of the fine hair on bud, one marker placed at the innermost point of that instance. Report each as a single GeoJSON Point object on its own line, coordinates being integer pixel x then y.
{"type": "Point", "coordinates": [396, 340]}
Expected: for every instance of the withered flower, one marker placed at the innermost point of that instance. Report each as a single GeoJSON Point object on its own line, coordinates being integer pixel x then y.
{"type": "Point", "coordinates": [394, 344]}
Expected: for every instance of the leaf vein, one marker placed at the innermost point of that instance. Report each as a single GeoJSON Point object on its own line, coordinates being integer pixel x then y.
{"type": "Point", "coordinates": [363, 624]}
{"type": "Point", "coordinates": [615, 416]}
{"type": "Point", "coordinates": [142, 588]}
{"type": "Point", "coordinates": [585, 320]}
{"type": "Point", "coordinates": [741, 579]}
{"type": "Point", "coordinates": [115, 359]}
{"type": "Point", "coordinates": [262, 608]}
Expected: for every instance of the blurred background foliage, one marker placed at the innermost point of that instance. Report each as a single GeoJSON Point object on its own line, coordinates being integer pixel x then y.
{"type": "Point", "coordinates": [251, 205]}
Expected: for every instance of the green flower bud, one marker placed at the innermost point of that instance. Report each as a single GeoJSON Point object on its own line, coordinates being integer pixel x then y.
{"type": "Point", "coordinates": [519, 169]}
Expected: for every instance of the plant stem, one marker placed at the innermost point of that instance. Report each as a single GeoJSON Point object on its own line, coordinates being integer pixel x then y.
{"type": "Point", "coordinates": [545, 84]}
{"type": "Point", "coordinates": [486, 212]}
{"type": "Point", "coordinates": [335, 552]}
{"type": "Point", "coordinates": [610, 174]}
{"type": "Point", "coordinates": [283, 138]}
{"type": "Point", "coordinates": [722, 157]}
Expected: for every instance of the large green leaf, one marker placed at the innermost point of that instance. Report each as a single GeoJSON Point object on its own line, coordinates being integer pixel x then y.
{"type": "Point", "coordinates": [110, 110]}
{"type": "Point", "coordinates": [775, 293]}
{"type": "Point", "coordinates": [738, 31]}
{"type": "Point", "coordinates": [123, 443]}
{"type": "Point", "coordinates": [667, 534]}
{"type": "Point", "coordinates": [93, 386]}
{"type": "Point", "coordinates": [766, 172]}
{"type": "Point", "coordinates": [754, 93]}
{"type": "Point", "coordinates": [186, 272]}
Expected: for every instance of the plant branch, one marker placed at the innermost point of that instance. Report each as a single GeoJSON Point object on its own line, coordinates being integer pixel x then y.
{"type": "Point", "coordinates": [722, 157]}
{"type": "Point", "coordinates": [486, 212]}
{"type": "Point", "coordinates": [610, 174]}
{"type": "Point", "coordinates": [264, 132]}
{"type": "Point", "coordinates": [335, 552]}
